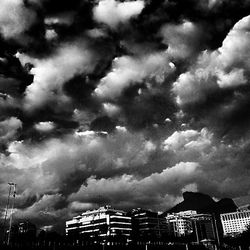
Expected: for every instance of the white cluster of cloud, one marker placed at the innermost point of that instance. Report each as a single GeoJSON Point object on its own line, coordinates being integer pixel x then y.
{"type": "Point", "coordinates": [65, 18]}
{"type": "Point", "coordinates": [9, 128]}
{"type": "Point", "coordinates": [15, 19]}
{"type": "Point", "coordinates": [111, 109]}
{"type": "Point", "coordinates": [128, 70]}
{"type": "Point", "coordinates": [227, 67]}
{"type": "Point", "coordinates": [113, 13]}
{"type": "Point", "coordinates": [235, 47]}
{"type": "Point", "coordinates": [190, 145]}
{"type": "Point", "coordinates": [182, 39]}
{"type": "Point", "coordinates": [52, 72]}
{"type": "Point", "coordinates": [188, 139]}
{"type": "Point", "coordinates": [45, 126]}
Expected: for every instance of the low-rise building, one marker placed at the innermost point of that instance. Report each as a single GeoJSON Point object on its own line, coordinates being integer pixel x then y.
{"type": "Point", "coordinates": [22, 231]}
{"type": "Point", "coordinates": [204, 226]}
{"type": "Point", "coordinates": [148, 225]}
{"type": "Point", "coordinates": [236, 222]}
{"type": "Point", "coordinates": [180, 224]}
{"type": "Point", "coordinates": [103, 222]}
{"type": "Point", "coordinates": [185, 223]}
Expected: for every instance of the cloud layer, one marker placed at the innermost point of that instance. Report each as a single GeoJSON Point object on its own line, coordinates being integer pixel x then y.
{"type": "Point", "coordinates": [127, 103]}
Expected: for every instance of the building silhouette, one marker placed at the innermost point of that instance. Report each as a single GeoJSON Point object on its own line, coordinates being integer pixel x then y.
{"type": "Point", "coordinates": [148, 225]}
{"type": "Point", "coordinates": [23, 231]}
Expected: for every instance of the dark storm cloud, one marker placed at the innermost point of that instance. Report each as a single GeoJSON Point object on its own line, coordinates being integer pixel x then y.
{"type": "Point", "coordinates": [122, 102]}
{"type": "Point", "coordinates": [219, 80]}
{"type": "Point", "coordinates": [14, 78]}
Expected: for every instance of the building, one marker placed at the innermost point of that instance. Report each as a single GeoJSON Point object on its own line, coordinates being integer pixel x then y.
{"type": "Point", "coordinates": [204, 226]}
{"type": "Point", "coordinates": [104, 222]}
{"type": "Point", "coordinates": [187, 223]}
{"type": "Point", "coordinates": [180, 224]}
{"type": "Point", "coordinates": [148, 225]}
{"type": "Point", "coordinates": [244, 208]}
{"type": "Point", "coordinates": [236, 222]}
{"type": "Point", "coordinates": [22, 231]}
{"type": "Point", "coordinates": [27, 228]}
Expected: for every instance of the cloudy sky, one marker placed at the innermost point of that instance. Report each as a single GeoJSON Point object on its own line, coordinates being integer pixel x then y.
{"type": "Point", "coordinates": [127, 103]}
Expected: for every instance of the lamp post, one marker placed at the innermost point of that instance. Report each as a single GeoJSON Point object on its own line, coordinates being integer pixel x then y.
{"type": "Point", "coordinates": [11, 184]}
{"type": "Point", "coordinates": [196, 231]}
{"type": "Point", "coordinates": [6, 212]}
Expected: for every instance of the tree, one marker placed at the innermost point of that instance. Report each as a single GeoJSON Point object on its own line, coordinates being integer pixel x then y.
{"type": "Point", "coordinates": [245, 237]}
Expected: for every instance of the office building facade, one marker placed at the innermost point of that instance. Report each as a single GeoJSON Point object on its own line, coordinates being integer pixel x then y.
{"type": "Point", "coordinates": [148, 225]}
{"type": "Point", "coordinates": [104, 222]}
{"type": "Point", "coordinates": [236, 222]}
{"type": "Point", "coordinates": [204, 227]}
{"type": "Point", "coordinates": [186, 223]}
{"type": "Point", "coordinates": [180, 224]}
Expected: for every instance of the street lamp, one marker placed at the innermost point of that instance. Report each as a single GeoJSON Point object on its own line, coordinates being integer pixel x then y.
{"type": "Point", "coordinates": [6, 213]}
{"type": "Point", "coordinates": [11, 184]}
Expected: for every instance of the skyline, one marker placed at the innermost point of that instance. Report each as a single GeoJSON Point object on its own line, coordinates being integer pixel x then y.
{"type": "Point", "coordinates": [127, 103]}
